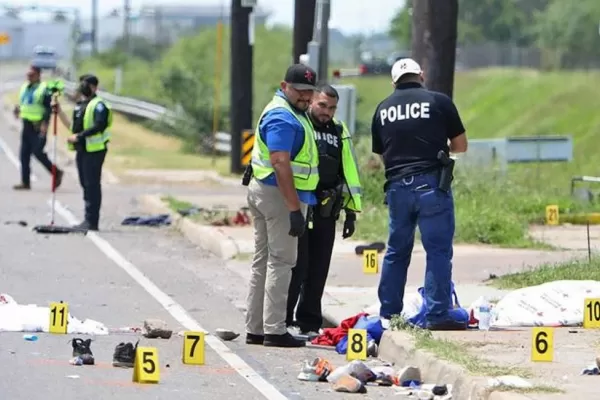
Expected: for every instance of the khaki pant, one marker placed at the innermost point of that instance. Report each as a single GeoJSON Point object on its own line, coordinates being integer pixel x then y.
{"type": "Point", "coordinates": [275, 253]}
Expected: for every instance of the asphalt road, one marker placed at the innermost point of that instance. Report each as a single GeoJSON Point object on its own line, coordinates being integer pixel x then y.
{"type": "Point", "coordinates": [120, 277]}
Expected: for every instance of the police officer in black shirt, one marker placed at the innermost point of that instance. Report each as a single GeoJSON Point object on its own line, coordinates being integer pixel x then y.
{"type": "Point", "coordinates": [409, 129]}
{"type": "Point", "coordinates": [337, 172]}
{"type": "Point", "coordinates": [91, 119]}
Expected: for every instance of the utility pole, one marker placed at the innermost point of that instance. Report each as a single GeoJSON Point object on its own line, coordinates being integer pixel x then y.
{"type": "Point", "coordinates": [321, 36]}
{"type": "Point", "coordinates": [434, 42]}
{"type": "Point", "coordinates": [127, 26]}
{"type": "Point", "coordinates": [443, 25]}
{"type": "Point", "coordinates": [94, 27]}
{"type": "Point", "coordinates": [242, 40]}
{"type": "Point", "coordinates": [304, 20]}
{"type": "Point", "coordinates": [420, 32]}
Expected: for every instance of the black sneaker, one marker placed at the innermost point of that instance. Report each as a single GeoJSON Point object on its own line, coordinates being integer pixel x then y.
{"type": "Point", "coordinates": [285, 340]}
{"type": "Point", "coordinates": [254, 339]}
{"type": "Point", "coordinates": [81, 349]}
{"type": "Point", "coordinates": [124, 356]}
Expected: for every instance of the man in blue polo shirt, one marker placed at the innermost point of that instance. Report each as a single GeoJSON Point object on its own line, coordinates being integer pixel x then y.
{"type": "Point", "coordinates": [285, 174]}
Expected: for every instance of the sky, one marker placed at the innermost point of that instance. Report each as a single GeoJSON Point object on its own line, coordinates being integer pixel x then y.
{"type": "Point", "coordinates": [350, 16]}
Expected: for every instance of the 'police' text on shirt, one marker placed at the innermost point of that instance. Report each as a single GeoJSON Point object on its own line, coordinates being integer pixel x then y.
{"type": "Point", "coordinates": [402, 112]}
{"type": "Point", "coordinates": [329, 138]}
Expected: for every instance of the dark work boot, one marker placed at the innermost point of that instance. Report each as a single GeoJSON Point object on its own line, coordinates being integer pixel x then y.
{"type": "Point", "coordinates": [254, 339]}
{"type": "Point", "coordinates": [22, 186]}
{"type": "Point", "coordinates": [285, 340]}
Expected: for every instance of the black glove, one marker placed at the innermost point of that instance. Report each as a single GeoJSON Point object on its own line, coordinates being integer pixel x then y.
{"type": "Point", "coordinates": [297, 224]}
{"type": "Point", "coordinates": [349, 224]}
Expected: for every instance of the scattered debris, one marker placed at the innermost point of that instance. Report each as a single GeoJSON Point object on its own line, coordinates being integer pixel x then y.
{"type": "Point", "coordinates": [510, 381]}
{"type": "Point", "coordinates": [348, 384]}
{"type": "Point", "coordinates": [30, 338]}
{"type": "Point", "coordinates": [76, 361]}
{"type": "Point", "coordinates": [16, 317]}
{"type": "Point", "coordinates": [591, 370]}
{"type": "Point", "coordinates": [21, 223]}
{"type": "Point", "coordinates": [156, 328]}
{"type": "Point", "coordinates": [152, 220]}
{"type": "Point", "coordinates": [226, 334]}
{"type": "Point", "coordinates": [219, 215]}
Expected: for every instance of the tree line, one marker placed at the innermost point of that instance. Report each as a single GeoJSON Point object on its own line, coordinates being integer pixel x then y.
{"type": "Point", "coordinates": [568, 32]}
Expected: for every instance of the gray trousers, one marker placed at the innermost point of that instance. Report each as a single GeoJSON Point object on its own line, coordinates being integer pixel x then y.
{"type": "Point", "coordinates": [275, 253]}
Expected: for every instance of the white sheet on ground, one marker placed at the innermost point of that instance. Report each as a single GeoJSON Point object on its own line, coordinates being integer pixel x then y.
{"type": "Point", "coordinates": [558, 303]}
{"type": "Point", "coordinates": [32, 318]}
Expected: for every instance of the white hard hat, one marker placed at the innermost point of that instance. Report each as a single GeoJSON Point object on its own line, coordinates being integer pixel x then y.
{"type": "Point", "coordinates": [405, 66]}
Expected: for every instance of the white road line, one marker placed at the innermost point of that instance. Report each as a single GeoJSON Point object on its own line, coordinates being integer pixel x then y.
{"type": "Point", "coordinates": [269, 391]}
{"type": "Point", "coordinates": [13, 158]}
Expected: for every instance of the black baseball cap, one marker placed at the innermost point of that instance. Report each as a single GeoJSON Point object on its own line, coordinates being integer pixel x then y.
{"type": "Point", "coordinates": [89, 78]}
{"type": "Point", "coordinates": [301, 77]}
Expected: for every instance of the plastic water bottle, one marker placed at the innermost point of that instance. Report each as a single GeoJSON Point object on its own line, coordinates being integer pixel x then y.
{"type": "Point", "coordinates": [485, 316]}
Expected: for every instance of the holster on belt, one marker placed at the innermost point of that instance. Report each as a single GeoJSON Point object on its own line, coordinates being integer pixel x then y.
{"type": "Point", "coordinates": [447, 171]}
{"type": "Point", "coordinates": [330, 202]}
{"type": "Point", "coordinates": [248, 172]}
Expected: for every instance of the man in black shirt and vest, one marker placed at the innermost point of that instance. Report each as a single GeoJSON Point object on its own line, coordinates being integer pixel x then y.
{"type": "Point", "coordinates": [338, 189]}
{"type": "Point", "coordinates": [409, 129]}
{"type": "Point", "coordinates": [92, 117]}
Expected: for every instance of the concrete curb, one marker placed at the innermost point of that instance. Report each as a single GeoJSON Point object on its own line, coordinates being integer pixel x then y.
{"type": "Point", "coordinates": [398, 347]}
{"type": "Point", "coordinates": [208, 237]}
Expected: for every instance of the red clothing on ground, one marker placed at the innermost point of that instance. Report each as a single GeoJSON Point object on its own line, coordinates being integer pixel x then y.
{"type": "Point", "coordinates": [332, 336]}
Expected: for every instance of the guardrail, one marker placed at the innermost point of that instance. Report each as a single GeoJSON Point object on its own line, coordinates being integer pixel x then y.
{"type": "Point", "coordinates": [154, 112]}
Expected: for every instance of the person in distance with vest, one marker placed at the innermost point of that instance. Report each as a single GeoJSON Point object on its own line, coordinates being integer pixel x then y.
{"type": "Point", "coordinates": [282, 178]}
{"type": "Point", "coordinates": [339, 188]}
{"type": "Point", "coordinates": [411, 130]}
{"type": "Point", "coordinates": [92, 117]}
{"type": "Point", "coordinates": [35, 111]}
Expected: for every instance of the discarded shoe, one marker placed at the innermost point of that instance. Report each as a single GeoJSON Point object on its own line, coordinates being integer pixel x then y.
{"type": "Point", "coordinates": [155, 328]}
{"type": "Point", "coordinates": [348, 384]}
{"type": "Point", "coordinates": [356, 369]}
{"type": "Point", "coordinates": [316, 371]}
{"type": "Point", "coordinates": [407, 375]}
{"type": "Point", "coordinates": [124, 355]}
{"type": "Point", "coordinates": [372, 349]}
{"type": "Point", "coordinates": [360, 249]}
{"type": "Point", "coordinates": [226, 334]}
{"type": "Point", "coordinates": [82, 350]}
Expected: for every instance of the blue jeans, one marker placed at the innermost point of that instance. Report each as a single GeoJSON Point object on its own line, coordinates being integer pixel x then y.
{"type": "Point", "coordinates": [411, 201]}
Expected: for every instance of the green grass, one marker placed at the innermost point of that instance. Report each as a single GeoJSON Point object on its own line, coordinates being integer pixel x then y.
{"type": "Point", "coordinates": [203, 216]}
{"type": "Point", "coordinates": [492, 208]}
{"type": "Point", "coordinates": [454, 352]}
{"type": "Point", "coordinates": [577, 269]}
